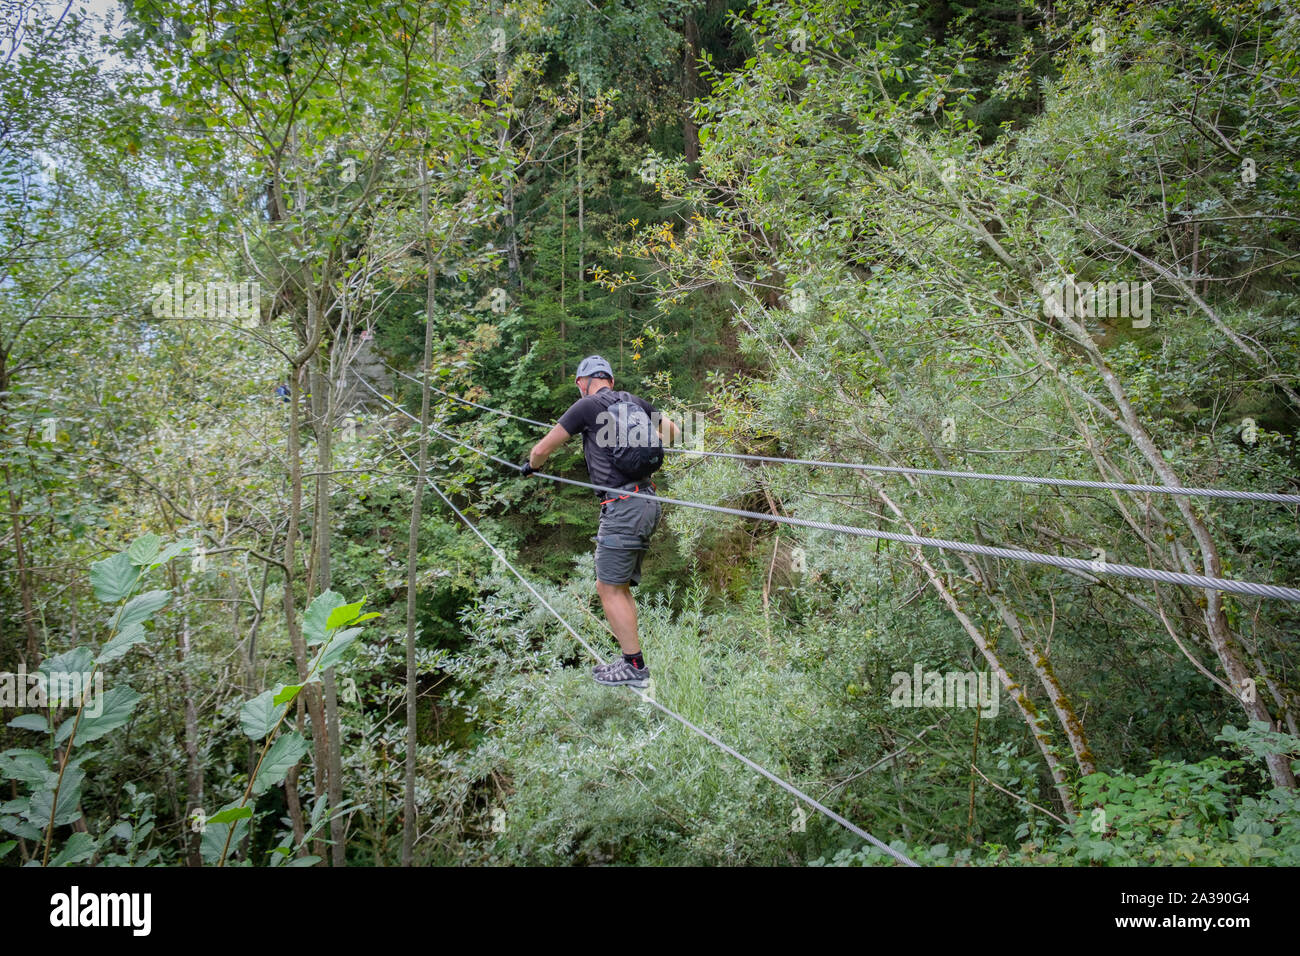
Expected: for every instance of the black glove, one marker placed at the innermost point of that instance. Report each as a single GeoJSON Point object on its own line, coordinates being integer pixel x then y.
{"type": "Point", "coordinates": [528, 467]}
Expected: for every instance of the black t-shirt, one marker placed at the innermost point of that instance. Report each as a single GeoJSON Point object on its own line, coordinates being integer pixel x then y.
{"type": "Point", "coordinates": [585, 416]}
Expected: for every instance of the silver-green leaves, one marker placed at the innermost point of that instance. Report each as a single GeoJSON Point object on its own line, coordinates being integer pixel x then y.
{"type": "Point", "coordinates": [261, 715]}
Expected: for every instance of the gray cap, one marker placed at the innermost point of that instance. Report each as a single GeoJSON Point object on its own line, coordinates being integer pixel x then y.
{"type": "Point", "coordinates": [593, 365]}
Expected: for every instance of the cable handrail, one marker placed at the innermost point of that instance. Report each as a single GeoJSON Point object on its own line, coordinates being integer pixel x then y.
{"type": "Point", "coordinates": [1219, 493]}
{"type": "Point", "coordinates": [1093, 566]}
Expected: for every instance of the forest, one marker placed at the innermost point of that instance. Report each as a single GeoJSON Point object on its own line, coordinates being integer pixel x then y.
{"type": "Point", "coordinates": [982, 322]}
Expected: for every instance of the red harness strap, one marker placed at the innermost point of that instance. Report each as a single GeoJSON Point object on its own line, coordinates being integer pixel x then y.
{"type": "Point", "coordinates": [635, 488]}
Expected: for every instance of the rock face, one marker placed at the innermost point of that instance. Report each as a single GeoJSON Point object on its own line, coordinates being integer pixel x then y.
{"type": "Point", "coordinates": [371, 367]}
{"type": "Point", "coordinates": [356, 401]}
{"type": "Point", "coordinates": [366, 365]}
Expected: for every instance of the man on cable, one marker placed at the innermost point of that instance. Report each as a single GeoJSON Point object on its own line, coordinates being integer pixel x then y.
{"type": "Point", "coordinates": [622, 439]}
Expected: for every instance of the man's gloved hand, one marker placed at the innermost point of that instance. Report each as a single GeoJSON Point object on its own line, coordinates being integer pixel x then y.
{"type": "Point", "coordinates": [528, 467]}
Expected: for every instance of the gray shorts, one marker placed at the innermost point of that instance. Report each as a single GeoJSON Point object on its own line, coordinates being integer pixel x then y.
{"type": "Point", "coordinates": [626, 526]}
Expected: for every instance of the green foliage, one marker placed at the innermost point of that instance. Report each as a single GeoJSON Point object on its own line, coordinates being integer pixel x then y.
{"type": "Point", "coordinates": [1175, 814]}
{"type": "Point", "coordinates": [324, 622]}
{"type": "Point", "coordinates": [850, 270]}
{"type": "Point", "coordinates": [53, 778]}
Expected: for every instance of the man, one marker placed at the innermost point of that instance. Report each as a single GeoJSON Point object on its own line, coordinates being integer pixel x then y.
{"type": "Point", "coordinates": [626, 523]}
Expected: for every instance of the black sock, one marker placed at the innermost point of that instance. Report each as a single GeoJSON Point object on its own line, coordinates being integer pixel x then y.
{"type": "Point", "coordinates": [636, 660]}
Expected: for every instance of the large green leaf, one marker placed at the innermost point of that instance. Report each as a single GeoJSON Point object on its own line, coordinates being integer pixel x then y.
{"type": "Point", "coordinates": [79, 848]}
{"type": "Point", "coordinates": [230, 815]}
{"type": "Point", "coordinates": [113, 578]}
{"type": "Point", "coordinates": [126, 639]}
{"type": "Point", "coordinates": [144, 549]}
{"type": "Point", "coordinates": [114, 707]}
{"type": "Point", "coordinates": [79, 660]}
{"type": "Point", "coordinates": [343, 614]}
{"type": "Point", "coordinates": [31, 722]}
{"type": "Point", "coordinates": [28, 766]}
{"type": "Point", "coordinates": [19, 828]}
{"type": "Point", "coordinates": [214, 834]}
{"type": "Point", "coordinates": [171, 551]}
{"type": "Point", "coordinates": [315, 621]}
{"type": "Point", "coordinates": [140, 608]}
{"type": "Point", "coordinates": [278, 854]}
{"type": "Point", "coordinates": [333, 652]}
{"type": "Point", "coordinates": [259, 716]}
{"type": "Point", "coordinates": [68, 688]}
{"type": "Point", "coordinates": [121, 830]}
{"type": "Point", "coordinates": [69, 798]}
{"type": "Point", "coordinates": [287, 750]}
{"type": "Point", "coordinates": [287, 694]}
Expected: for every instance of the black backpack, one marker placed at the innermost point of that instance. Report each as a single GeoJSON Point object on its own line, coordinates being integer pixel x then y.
{"type": "Point", "coordinates": [629, 435]}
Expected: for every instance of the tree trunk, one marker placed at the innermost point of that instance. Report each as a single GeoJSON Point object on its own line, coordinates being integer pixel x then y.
{"type": "Point", "coordinates": [25, 589]}
{"type": "Point", "coordinates": [413, 538]}
{"type": "Point", "coordinates": [1124, 416]}
{"type": "Point", "coordinates": [1028, 712]}
{"type": "Point", "coordinates": [690, 85]}
{"type": "Point", "coordinates": [33, 655]}
{"type": "Point", "coordinates": [320, 581]}
{"type": "Point", "coordinates": [338, 851]}
{"type": "Point", "coordinates": [1069, 721]}
{"type": "Point", "coordinates": [582, 215]}
{"type": "Point", "coordinates": [1226, 644]}
{"type": "Point", "coordinates": [564, 257]}
{"type": "Point", "coordinates": [311, 698]}
{"type": "Point", "coordinates": [193, 768]}
{"type": "Point", "coordinates": [503, 144]}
